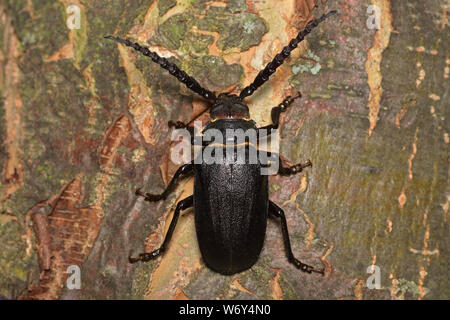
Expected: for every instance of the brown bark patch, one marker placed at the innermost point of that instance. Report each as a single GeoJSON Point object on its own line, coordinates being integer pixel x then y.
{"type": "Point", "coordinates": [114, 136]}
{"type": "Point", "coordinates": [12, 172]}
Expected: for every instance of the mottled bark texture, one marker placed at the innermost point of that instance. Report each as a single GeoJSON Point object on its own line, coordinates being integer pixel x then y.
{"type": "Point", "coordinates": [84, 123]}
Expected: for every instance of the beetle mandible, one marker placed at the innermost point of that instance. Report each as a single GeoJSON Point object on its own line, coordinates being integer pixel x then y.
{"type": "Point", "coordinates": [230, 200]}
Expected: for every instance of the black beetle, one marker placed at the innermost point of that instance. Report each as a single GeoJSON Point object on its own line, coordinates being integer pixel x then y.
{"type": "Point", "coordinates": [230, 200]}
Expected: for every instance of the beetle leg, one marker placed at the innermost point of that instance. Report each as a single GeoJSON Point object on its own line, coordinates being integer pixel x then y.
{"type": "Point", "coordinates": [187, 168]}
{"type": "Point", "coordinates": [276, 112]}
{"type": "Point", "coordinates": [279, 213]}
{"type": "Point", "coordinates": [293, 169]}
{"type": "Point", "coordinates": [146, 256]}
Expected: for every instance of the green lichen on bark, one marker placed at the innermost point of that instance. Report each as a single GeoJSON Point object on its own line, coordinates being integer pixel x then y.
{"type": "Point", "coordinates": [15, 264]}
{"type": "Point", "coordinates": [197, 43]}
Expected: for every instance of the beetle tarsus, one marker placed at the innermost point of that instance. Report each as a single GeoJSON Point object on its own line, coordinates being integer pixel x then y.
{"type": "Point", "coordinates": [279, 213]}
{"type": "Point", "coordinates": [299, 167]}
{"type": "Point", "coordinates": [131, 259]}
{"type": "Point", "coordinates": [322, 272]}
{"type": "Point", "coordinates": [275, 113]}
{"type": "Point", "coordinates": [306, 268]}
{"type": "Point", "coordinates": [187, 168]}
{"type": "Point", "coordinates": [139, 193]}
{"type": "Point", "coordinates": [146, 256]}
{"type": "Point", "coordinates": [288, 101]}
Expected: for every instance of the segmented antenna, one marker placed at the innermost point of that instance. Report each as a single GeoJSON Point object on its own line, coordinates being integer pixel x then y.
{"type": "Point", "coordinates": [182, 76]}
{"type": "Point", "coordinates": [272, 66]}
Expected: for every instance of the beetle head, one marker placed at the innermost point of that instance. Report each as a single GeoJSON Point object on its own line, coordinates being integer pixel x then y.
{"type": "Point", "coordinates": [229, 106]}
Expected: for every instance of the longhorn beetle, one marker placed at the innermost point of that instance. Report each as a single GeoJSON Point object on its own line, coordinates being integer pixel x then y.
{"type": "Point", "coordinates": [230, 200]}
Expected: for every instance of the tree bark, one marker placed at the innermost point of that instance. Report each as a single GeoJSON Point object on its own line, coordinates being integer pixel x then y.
{"type": "Point", "coordinates": [84, 124]}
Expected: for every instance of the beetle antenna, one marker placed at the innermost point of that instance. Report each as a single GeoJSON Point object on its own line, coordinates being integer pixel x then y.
{"type": "Point", "coordinates": [182, 76]}
{"type": "Point", "coordinates": [272, 66]}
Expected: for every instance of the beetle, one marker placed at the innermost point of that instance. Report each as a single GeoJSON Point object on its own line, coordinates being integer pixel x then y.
{"type": "Point", "coordinates": [230, 200]}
